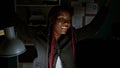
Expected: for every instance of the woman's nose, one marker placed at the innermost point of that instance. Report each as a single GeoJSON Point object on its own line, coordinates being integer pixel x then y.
{"type": "Point", "coordinates": [66, 21]}
{"type": "Point", "coordinates": [66, 24]}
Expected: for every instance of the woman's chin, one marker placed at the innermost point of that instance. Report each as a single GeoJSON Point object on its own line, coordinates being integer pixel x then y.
{"type": "Point", "coordinates": [63, 33]}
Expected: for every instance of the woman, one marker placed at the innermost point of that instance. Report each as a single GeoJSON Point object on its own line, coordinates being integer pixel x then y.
{"type": "Point", "coordinates": [59, 49]}
{"type": "Point", "coordinates": [56, 47]}
{"type": "Point", "coordinates": [55, 44]}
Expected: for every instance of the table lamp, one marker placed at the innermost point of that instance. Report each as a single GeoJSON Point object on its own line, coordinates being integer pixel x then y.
{"type": "Point", "coordinates": [11, 46]}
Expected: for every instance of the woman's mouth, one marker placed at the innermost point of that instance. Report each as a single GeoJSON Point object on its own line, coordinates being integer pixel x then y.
{"type": "Point", "coordinates": [64, 29]}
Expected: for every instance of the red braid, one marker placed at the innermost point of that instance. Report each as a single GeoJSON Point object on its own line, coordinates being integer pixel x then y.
{"type": "Point", "coordinates": [73, 46]}
{"type": "Point", "coordinates": [52, 50]}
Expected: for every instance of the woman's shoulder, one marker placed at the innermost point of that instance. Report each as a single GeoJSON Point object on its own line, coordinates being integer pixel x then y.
{"type": "Point", "coordinates": [38, 34]}
{"type": "Point", "coordinates": [39, 31]}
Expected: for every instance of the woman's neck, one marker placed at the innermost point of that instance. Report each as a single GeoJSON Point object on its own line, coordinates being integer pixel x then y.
{"type": "Point", "coordinates": [57, 36]}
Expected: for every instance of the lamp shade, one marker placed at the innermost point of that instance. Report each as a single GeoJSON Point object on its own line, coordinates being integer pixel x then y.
{"type": "Point", "coordinates": [11, 46]}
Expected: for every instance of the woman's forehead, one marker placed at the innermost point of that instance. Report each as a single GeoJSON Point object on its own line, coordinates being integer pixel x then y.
{"type": "Point", "coordinates": [64, 13]}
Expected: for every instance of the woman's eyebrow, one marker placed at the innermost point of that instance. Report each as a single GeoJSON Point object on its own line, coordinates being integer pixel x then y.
{"type": "Point", "coordinates": [62, 17]}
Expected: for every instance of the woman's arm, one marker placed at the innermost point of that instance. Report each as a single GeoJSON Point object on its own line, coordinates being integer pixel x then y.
{"type": "Point", "coordinates": [94, 26]}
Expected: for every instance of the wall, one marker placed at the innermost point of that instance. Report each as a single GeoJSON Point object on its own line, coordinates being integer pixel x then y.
{"type": "Point", "coordinates": [84, 12]}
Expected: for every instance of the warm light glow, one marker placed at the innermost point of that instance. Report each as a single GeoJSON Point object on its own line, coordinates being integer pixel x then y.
{"type": "Point", "coordinates": [2, 32]}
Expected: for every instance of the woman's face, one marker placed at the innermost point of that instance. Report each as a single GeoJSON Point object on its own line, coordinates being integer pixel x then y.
{"type": "Point", "coordinates": [62, 23]}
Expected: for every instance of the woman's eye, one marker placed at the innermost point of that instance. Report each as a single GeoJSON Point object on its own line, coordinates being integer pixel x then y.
{"type": "Point", "coordinates": [61, 19]}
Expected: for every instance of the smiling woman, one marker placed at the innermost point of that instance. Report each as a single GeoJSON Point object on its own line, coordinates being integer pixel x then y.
{"type": "Point", "coordinates": [60, 18]}
{"type": "Point", "coordinates": [55, 43]}
{"type": "Point", "coordinates": [58, 45]}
